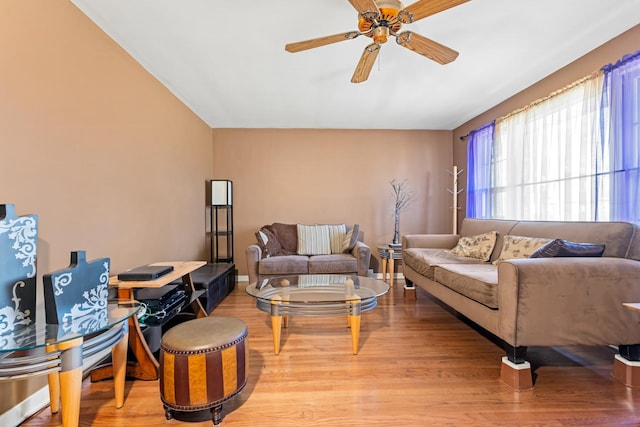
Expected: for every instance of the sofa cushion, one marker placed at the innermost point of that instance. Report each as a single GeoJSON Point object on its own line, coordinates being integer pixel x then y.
{"type": "Point", "coordinates": [424, 260]}
{"type": "Point", "coordinates": [478, 282]}
{"type": "Point", "coordinates": [334, 263]}
{"type": "Point", "coordinates": [564, 248]}
{"type": "Point", "coordinates": [520, 247]}
{"type": "Point", "coordinates": [284, 265]}
{"type": "Point", "coordinates": [313, 240]}
{"type": "Point", "coordinates": [479, 246]}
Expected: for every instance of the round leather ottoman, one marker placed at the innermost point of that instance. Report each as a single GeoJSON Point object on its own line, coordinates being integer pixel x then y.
{"type": "Point", "coordinates": [203, 362]}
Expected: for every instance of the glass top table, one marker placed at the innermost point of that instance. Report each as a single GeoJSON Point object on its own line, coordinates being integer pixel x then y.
{"type": "Point", "coordinates": [317, 295]}
{"type": "Point", "coordinates": [58, 350]}
{"type": "Point", "coordinates": [41, 334]}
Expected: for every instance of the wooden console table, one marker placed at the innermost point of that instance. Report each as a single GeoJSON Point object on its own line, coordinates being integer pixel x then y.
{"type": "Point", "coordinates": [146, 366]}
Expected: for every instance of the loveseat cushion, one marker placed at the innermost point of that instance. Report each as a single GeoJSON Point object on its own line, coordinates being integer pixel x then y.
{"type": "Point", "coordinates": [424, 260]}
{"type": "Point", "coordinates": [478, 282]}
{"type": "Point", "coordinates": [284, 264]}
{"type": "Point", "coordinates": [335, 263]}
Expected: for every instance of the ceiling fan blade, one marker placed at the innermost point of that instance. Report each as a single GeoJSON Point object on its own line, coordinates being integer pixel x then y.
{"type": "Point", "coordinates": [321, 41]}
{"type": "Point", "coordinates": [365, 64]}
{"type": "Point", "coordinates": [423, 8]}
{"type": "Point", "coordinates": [366, 8]}
{"type": "Point", "coordinates": [426, 47]}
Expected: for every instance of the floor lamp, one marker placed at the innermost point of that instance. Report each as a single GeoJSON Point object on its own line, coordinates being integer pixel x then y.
{"type": "Point", "coordinates": [221, 217]}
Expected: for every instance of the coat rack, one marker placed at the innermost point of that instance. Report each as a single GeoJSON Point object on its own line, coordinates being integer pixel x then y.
{"type": "Point", "coordinates": [455, 173]}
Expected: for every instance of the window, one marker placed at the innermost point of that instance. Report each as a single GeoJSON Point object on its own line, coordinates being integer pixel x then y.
{"type": "Point", "coordinates": [573, 156]}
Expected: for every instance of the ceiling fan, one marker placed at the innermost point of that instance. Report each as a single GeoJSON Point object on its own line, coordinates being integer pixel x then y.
{"type": "Point", "coordinates": [380, 19]}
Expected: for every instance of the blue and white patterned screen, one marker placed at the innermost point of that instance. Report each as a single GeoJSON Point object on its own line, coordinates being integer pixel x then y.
{"type": "Point", "coordinates": [77, 294]}
{"type": "Point", "coordinates": [18, 241]}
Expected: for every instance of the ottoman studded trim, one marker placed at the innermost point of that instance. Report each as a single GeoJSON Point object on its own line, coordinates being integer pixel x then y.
{"type": "Point", "coordinates": [206, 350]}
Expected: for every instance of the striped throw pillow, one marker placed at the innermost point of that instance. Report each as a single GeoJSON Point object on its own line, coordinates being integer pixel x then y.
{"type": "Point", "coordinates": [337, 233]}
{"type": "Point", "coordinates": [313, 240]}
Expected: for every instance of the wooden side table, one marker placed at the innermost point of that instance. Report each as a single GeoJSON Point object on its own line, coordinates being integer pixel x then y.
{"type": "Point", "coordinates": [388, 256]}
{"type": "Point", "coordinates": [147, 366]}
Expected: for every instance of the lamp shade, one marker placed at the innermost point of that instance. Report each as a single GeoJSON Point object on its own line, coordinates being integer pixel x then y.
{"type": "Point", "coordinates": [220, 192]}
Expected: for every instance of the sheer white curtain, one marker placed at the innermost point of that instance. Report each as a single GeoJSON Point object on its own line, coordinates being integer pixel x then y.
{"type": "Point", "coordinates": [545, 156]}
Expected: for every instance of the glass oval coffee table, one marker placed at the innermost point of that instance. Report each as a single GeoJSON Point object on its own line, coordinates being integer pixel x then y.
{"type": "Point", "coordinates": [317, 295]}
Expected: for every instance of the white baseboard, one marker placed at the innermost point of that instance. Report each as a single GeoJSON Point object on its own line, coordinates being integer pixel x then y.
{"type": "Point", "coordinates": [40, 399]}
{"type": "Point", "coordinates": [26, 408]}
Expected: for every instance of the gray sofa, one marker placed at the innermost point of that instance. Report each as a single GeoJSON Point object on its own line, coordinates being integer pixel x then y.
{"type": "Point", "coordinates": [263, 260]}
{"type": "Point", "coordinates": [557, 301]}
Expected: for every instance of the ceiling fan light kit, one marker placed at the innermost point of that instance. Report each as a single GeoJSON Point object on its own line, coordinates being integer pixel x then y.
{"type": "Point", "coordinates": [379, 19]}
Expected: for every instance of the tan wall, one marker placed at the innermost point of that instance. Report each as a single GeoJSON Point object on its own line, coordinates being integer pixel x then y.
{"type": "Point", "coordinates": [107, 157]}
{"type": "Point", "coordinates": [333, 176]}
{"type": "Point", "coordinates": [609, 52]}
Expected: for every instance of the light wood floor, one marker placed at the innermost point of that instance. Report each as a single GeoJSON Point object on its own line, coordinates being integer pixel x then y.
{"type": "Point", "coordinates": [418, 365]}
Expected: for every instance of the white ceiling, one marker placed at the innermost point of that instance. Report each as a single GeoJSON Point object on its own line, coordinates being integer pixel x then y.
{"type": "Point", "coordinates": [226, 60]}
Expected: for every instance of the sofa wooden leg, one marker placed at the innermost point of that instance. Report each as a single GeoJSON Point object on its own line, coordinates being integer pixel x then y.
{"type": "Point", "coordinates": [626, 371]}
{"type": "Point", "coordinates": [410, 292]}
{"type": "Point", "coordinates": [516, 375]}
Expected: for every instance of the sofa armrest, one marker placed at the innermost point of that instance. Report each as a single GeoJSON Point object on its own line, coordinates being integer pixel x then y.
{"type": "Point", "coordinates": [362, 252]}
{"type": "Point", "coordinates": [568, 301]}
{"type": "Point", "coordinates": [253, 254]}
{"type": "Point", "coordinates": [432, 241]}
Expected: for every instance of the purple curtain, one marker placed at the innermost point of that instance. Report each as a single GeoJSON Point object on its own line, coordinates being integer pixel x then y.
{"type": "Point", "coordinates": [619, 164]}
{"type": "Point", "coordinates": [479, 171]}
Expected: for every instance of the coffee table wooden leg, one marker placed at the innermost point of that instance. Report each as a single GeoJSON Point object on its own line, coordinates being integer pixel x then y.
{"type": "Point", "coordinates": [276, 322]}
{"type": "Point", "coordinates": [285, 300]}
{"type": "Point", "coordinates": [356, 312]}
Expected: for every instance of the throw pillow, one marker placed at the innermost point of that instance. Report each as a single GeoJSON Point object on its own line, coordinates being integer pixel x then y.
{"type": "Point", "coordinates": [313, 240]}
{"type": "Point", "coordinates": [287, 235]}
{"type": "Point", "coordinates": [262, 238]}
{"type": "Point", "coordinates": [350, 239]}
{"type": "Point", "coordinates": [336, 237]}
{"type": "Point", "coordinates": [564, 248]}
{"type": "Point", "coordinates": [268, 243]}
{"type": "Point", "coordinates": [515, 247]}
{"type": "Point", "coordinates": [479, 246]}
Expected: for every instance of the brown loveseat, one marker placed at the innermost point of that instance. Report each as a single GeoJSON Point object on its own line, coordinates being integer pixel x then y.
{"type": "Point", "coordinates": [281, 250]}
{"type": "Point", "coordinates": [556, 301]}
